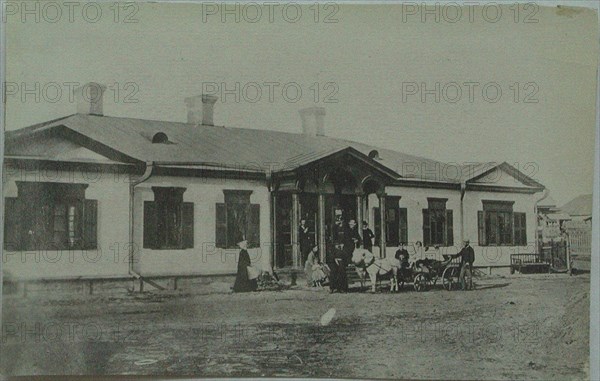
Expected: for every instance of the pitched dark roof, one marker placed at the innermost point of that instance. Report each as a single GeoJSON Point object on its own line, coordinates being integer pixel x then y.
{"type": "Point", "coordinates": [206, 145]}
{"type": "Point", "coordinates": [579, 206]}
{"type": "Point", "coordinates": [216, 146]}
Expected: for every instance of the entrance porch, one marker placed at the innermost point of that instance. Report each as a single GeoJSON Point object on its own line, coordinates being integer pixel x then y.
{"type": "Point", "coordinates": [326, 194]}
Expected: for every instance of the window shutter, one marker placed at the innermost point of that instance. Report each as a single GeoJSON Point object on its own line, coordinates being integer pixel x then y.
{"type": "Point", "coordinates": [221, 226]}
{"type": "Point", "coordinates": [377, 225]}
{"type": "Point", "coordinates": [391, 225]}
{"type": "Point", "coordinates": [150, 230]}
{"type": "Point", "coordinates": [426, 228]}
{"type": "Point", "coordinates": [449, 228]}
{"type": "Point", "coordinates": [187, 222]}
{"type": "Point", "coordinates": [520, 228]}
{"type": "Point", "coordinates": [90, 224]}
{"type": "Point", "coordinates": [403, 217]}
{"type": "Point", "coordinates": [523, 229]}
{"type": "Point", "coordinates": [517, 228]}
{"type": "Point", "coordinates": [481, 229]}
{"type": "Point", "coordinates": [12, 224]}
{"type": "Point", "coordinates": [254, 226]}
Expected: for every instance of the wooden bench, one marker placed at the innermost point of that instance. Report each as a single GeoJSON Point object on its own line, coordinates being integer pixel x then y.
{"type": "Point", "coordinates": [528, 263]}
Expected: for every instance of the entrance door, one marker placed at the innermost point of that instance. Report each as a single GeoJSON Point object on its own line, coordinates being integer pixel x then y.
{"type": "Point", "coordinates": [283, 222]}
{"type": "Point", "coordinates": [309, 211]}
{"type": "Point", "coordinates": [339, 209]}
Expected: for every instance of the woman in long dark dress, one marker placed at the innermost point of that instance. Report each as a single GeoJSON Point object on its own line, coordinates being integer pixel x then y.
{"type": "Point", "coordinates": [242, 282]}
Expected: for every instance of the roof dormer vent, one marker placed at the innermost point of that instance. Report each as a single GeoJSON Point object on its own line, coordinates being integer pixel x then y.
{"type": "Point", "coordinates": [374, 154]}
{"type": "Point", "coordinates": [160, 137]}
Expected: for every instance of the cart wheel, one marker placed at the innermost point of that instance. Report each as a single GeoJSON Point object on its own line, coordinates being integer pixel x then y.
{"type": "Point", "coordinates": [448, 276]}
{"type": "Point", "coordinates": [420, 282]}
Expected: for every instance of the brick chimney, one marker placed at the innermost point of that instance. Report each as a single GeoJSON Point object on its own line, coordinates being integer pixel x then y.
{"type": "Point", "coordinates": [89, 98]}
{"type": "Point", "coordinates": [200, 109]}
{"type": "Point", "coordinates": [313, 121]}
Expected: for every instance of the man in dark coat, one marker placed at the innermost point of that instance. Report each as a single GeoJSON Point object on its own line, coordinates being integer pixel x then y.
{"type": "Point", "coordinates": [467, 257]}
{"type": "Point", "coordinates": [367, 236]}
{"type": "Point", "coordinates": [242, 282]}
{"type": "Point", "coordinates": [337, 232]}
{"type": "Point", "coordinates": [304, 240]}
{"type": "Point", "coordinates": [351, 239]}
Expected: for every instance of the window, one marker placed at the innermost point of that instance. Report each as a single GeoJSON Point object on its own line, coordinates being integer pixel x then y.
{"type": "Point", "coordinates": [437, 223]}
{"type": "Point", "coordinates": [50, 216]}
{"type": "Point", "coordinates": [168, 221]}
{"type": "Point", "coordinates": [237, 219]}
{"type": "Point", "coordinates": [396, 223]}
{"type": "Point", "coordinates": [498, 225]}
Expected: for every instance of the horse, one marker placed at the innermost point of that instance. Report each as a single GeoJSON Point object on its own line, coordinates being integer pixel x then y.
{"type": "Point", "coordinates": [364, 259]}
{"type": "Point", "coordinates": [362, 276]}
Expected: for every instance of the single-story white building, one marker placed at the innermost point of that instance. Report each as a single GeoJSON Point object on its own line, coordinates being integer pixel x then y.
{"type": "Point", "coordinates": [90, 196]}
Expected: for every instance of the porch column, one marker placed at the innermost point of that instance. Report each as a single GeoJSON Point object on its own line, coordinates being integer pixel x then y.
{"type": "Point", "coordinates": [359, 214]}
{"type": "Point", "coordinates": [295, 230]}
{"type": "Point", "coordinates": [273, 202]}
{"type": "Point", "coordinates": [321, 227]}
{"type": "Point", "coordinates": [382, 212]}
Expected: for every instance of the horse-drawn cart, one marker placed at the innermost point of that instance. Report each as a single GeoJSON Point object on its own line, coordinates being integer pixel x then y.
{"type": "Point", "coordinates": [424, 274]}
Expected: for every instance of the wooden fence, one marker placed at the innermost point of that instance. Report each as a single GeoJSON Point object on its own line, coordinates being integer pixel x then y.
{"type": "Point", "coordinates": [580, 237]}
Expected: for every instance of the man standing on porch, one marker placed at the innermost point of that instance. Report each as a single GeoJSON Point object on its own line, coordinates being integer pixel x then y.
{"type": "Point", "coordinates": [367, 237]}
{"type": "Point", "coordinates": [304, 240]}
{"type": "Point", "coordinates": [351, 239]}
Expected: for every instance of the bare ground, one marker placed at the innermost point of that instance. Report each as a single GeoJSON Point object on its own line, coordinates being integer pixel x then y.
{"type": "Point", "coordinates": [518, 327]}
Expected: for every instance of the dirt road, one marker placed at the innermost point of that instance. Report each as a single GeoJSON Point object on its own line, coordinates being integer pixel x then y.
{"type": "Point", "coordinates": [533, 327]}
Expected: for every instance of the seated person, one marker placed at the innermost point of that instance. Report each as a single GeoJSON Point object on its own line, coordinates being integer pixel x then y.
{"type": "Point", "coordinates": [403, 257]}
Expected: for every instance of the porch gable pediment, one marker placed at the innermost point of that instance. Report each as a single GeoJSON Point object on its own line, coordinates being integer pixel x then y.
{"type": "Point", "coordinates": [338, 169]}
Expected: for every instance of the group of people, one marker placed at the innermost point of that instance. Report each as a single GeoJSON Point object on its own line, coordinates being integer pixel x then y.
{"type": "Point", "coordinates": [344, 239]}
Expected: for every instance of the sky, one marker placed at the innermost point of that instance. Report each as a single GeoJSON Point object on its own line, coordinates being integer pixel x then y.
{"type": "Point", "coordinates": [510, 83]}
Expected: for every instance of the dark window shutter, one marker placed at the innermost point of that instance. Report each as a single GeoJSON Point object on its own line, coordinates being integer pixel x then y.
{"type": "Point", "coordinates": [520, 228]}
{"type": "Point", "coordinates": [509, 235]}
{"type": "Point", "coordinates": [150, 229]}
{"type": "Point", "coordinates": [90, 224]}
{"type": "Point", "coordinates": [491, 228]}
{"type": "Point", "coordinates": [254, 226]}
{"type": "Point", "coordinates": [187, 219]}
{"type": "Point", "coordinates": [449, 228]}
{"type": "Point", "coordinates": [377, 225]}
{"type": "Point", "coordinates": [403, 216]}
{"type": "Point", "coordinates": [481, 229]}
{"type": "Point", "coordinates": [12, 224]}
{"type": "Point", "coordinates": [221, 226]}
{"type": "Point", "coordinates": [517, 228]}
{"type": "Point", "coordinates": [426, 228]}
{"type": "Point", "coordinates": [523, 229]}
{"type": "Point", "coordinates": [391, 225]}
